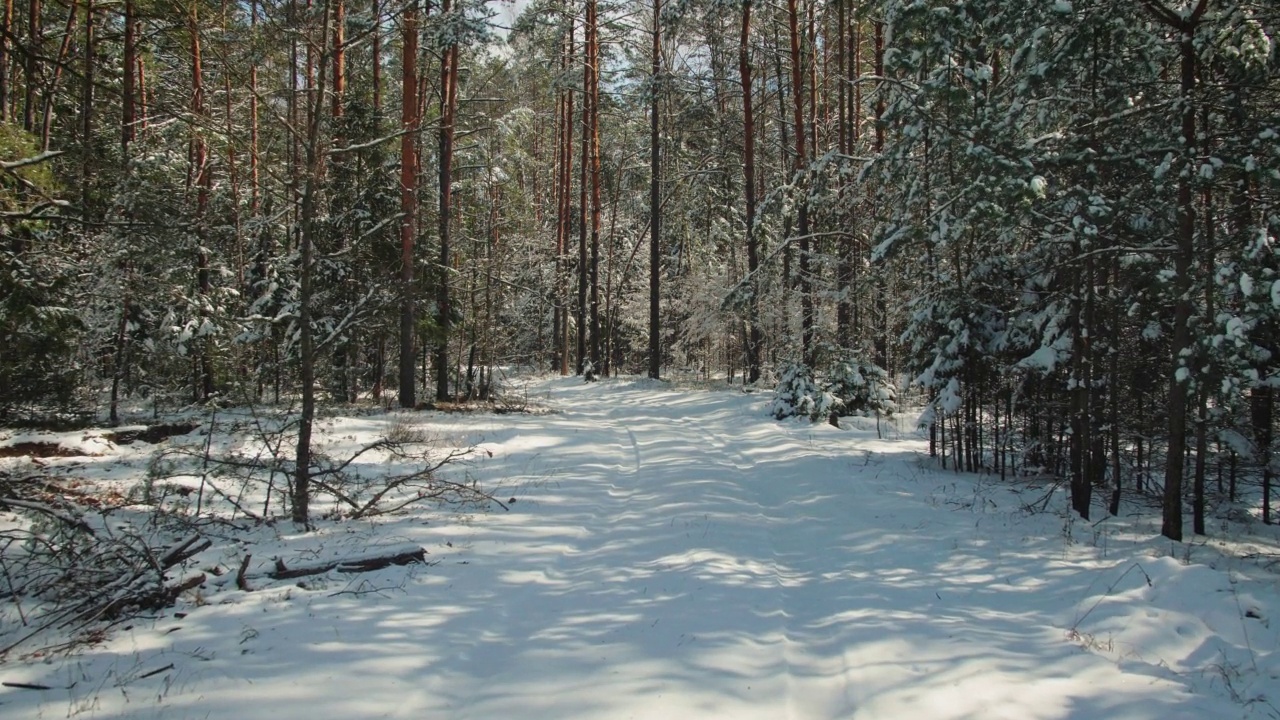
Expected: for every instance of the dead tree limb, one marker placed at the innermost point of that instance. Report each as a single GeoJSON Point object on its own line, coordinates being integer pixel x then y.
{"type": "Point", "coordinates": [374, 559]}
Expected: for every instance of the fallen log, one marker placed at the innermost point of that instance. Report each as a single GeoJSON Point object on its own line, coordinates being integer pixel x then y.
{"type": "Point", "coordinates": [365, 562]}
{"type": "Point", "coordinates": [152, 435]}
{"type": "Point", "coordinates": [375, 558]}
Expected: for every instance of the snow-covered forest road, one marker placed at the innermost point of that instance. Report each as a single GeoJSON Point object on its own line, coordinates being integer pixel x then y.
{"type": "Point", "coordinates": [678, 554]}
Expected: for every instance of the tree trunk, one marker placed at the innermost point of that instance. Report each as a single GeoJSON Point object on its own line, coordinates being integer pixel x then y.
{"type": "Point", "coordinates": [1261, 411]}
{"type": "Point", "coordinates": [557, 298]}
{"type": "Point", "coordinates": [1202, 396]}
{"type": "Point", "coordinates": [593, 80]}
{"type": "Point", "coordinates": [1176, 410]}
{"type": "Point", "coordinates": [567, 200]}
{"type": "Point", "coordinates": [1113, 387]}
{"type": "Point", "coordinates": [233, 177]}
{"type": "Point", "coordinates": [203, 184]}
{"type": "Point", "coordinates": [448, 108]}
{"type": "Point", "coordinates": [784, 147]}
{"type": "Point", "coordinates": [315, 168]}
{"type": "Point", "coordinates": [86, 106]}
{"type": "Point", "coordinates": [253, 117]}
{"type": "Point", "coordinates": [844, 266]}
{"type": "Point", "coordinates": [31, 77]}
{"type": "Point", "coordinates": [142, 108]}
{"type": "Point", "coordinates": [584, 162]}
{"type": "Point", "coordinates": [655, 199]}
{"type": "Point", "coordinates": [127, 134]}
{"type": "Point", "coordinates": [1081, 422]}
{"type": "Point", "coordinates": [879, 309]}
{"type": "Point", "coordinates": [339, 57]}
{"type": "Point", "coordinates": [801, 189]}
{"type": "Point", "coordinates": [749, 188]}
{"type": "Point", "coordinates": [51, 92]}
{"type": "Point", "coordinates": [127, 84]}
{"type": "Point", "coordinates": [1184, 258]}
{"type": "Point", "coordinates": [408, 198]}
{"type": "Point", "coordinates": [6, 29]}
{"type": "Point", "coordinates": [375, 45]}
{"type": "Point", "coordinates": [564, 219]}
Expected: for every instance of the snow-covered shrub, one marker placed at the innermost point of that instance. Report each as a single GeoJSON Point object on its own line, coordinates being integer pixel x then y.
{"type": "Point", "coordinates": [798, 394]}
{"type": "Point", "coordinates": [862, 388]}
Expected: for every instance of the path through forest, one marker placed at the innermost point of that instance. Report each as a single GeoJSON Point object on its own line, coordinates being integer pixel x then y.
{"type": "Point", "coordinates": [690, 558]}
{"type": "Point", "coordinates": [678, 554]}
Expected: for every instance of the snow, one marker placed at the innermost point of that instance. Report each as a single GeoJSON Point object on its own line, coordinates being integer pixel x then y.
{"type": "Point", "coordinates": [1043, 360]}
{"type": "Point", "coordinates": [949, 400]}
{"type": "Point", "coordinates": [676, 553]}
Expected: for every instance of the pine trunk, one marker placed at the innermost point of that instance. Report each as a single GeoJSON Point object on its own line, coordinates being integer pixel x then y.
{"type": "Point", "coordinates": [583, 164]}
{"type": "Point", "coordinates": [801, 185]}
{"type": "Point", "coordinates": [448, 108]}
{"type": "Point", "coordinates": [749, 189]}
{"type": "Point", "coordinates": [1184, 259]}
{"type": "Point", "coordinates": [31, 68]}
{"type": "Point", "coordinates": [6, 29]}
{"type": "Point", "coordinates": [308, 215]}
{"type": "Point", "coordinates": [593, 90]}
{"type": "Point", "coordinates": [203, 181]}
{"type": "Point", "coordinates": [408, 199]}
{"type": "Point", "coordinates": [655, 199]}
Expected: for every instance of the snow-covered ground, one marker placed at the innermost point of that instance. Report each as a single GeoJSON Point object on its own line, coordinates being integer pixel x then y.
{"type": "Point", "coordinates": [676, 553]}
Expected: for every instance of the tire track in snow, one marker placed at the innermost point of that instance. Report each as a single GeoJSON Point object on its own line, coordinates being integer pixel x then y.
{"type": "Point", "coordinates": [789, 525]}
{"type": "Point", "coordinates": [687, 472]}
{"type": "Point", "coordinates": [712, 429]}
{"type": "Point", "coordinates": [709, 513]}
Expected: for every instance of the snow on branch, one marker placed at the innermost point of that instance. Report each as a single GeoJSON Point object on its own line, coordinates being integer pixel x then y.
{"type": "Point", "coordinates": [45, 156]}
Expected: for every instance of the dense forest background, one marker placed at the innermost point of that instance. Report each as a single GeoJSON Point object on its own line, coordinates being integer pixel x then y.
{"type": "Point", "coordinates": [1056, 219]}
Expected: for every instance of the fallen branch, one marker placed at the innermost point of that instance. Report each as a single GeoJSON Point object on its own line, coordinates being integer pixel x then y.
{"type": "Point", "coordinates": [421, 484]}
{"type": "Point", "coordinates": [73, 568]}
{"type": "Point", "coordinates": [157, 671]}
{"type": "Point", "coordinates": [241, 582]}
{"type": "Point", "coordinates": [364, 563]}
{"type": "Point", "coordinates": [184, 550]}
{"type": "Point", "coordinates": [45, 156]}
{"type": "Point", "coordinates": [145, 588]}
{"type": "Point", "coordinates": [373, 559]}
{"type": "Point", "coordinates": [10, 503]}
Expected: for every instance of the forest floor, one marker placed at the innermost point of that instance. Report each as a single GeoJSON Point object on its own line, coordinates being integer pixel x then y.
{"type": "Point", "coordinates": [673, 552]}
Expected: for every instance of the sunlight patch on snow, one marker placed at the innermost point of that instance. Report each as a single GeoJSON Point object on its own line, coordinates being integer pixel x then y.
{"type": "Point", "coordinates": [707, 563]}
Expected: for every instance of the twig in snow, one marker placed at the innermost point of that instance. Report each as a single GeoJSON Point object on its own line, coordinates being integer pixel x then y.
{"type": "Point", "coordinates": [1111, 588]}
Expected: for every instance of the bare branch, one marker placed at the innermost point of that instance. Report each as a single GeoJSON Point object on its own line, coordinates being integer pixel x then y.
{"type": "Point", "coordinates": [47, 155]}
